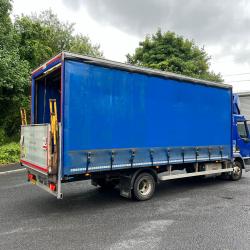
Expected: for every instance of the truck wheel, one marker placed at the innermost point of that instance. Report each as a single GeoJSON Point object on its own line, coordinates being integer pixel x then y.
{"type": "Point", "coordinates": [237, 171]}
{"type": "Point", "coordinates": [144, 187]}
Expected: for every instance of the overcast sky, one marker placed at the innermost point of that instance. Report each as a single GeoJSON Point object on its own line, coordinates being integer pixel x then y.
{"type": "Point", "coordinates": [221, 26]}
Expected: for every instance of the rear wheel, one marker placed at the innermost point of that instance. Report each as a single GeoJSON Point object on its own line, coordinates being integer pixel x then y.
{"type": "Point", "coordinates": [237, 171]}
{"type": "Point", "coordinates": [144, 187]}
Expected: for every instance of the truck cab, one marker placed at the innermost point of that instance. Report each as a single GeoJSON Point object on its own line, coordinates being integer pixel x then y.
{"type": "Point", "coordinates": [241, 136]}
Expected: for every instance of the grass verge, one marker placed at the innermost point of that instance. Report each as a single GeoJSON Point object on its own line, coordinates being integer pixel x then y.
{"type": "Point", "coordinates": [9, 153]}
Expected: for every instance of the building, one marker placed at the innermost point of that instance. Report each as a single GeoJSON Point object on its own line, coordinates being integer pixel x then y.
{"type": "Point", "coordinates": [245, 104]}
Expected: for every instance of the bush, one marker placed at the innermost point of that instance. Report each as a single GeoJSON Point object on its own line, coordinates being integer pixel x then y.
{"type": "Point", "coordinates": [9, 153]}
{"type": "Point", "coordinates": [5, 139]}
{"type": "Point", "coordinates": [2, 136]}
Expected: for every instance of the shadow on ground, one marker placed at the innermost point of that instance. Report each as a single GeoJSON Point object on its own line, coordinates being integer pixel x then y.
{"type": "Point", "coordinates": [82, 197]}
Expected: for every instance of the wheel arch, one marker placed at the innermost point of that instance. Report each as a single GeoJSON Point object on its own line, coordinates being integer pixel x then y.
{"type": "Point", "coordinates": [239, 159]}
{"type": "Point", "coordinates": [144, 170]}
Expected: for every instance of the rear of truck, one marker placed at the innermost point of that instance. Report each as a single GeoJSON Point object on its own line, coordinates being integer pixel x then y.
{"type": "Point", "coordinates": [40, 140]}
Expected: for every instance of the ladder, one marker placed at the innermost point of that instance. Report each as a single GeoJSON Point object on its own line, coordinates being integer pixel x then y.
{"type": "Point", "coordinates": [54, 134]}
{"type": "Point", "coordinates": [23, 116]}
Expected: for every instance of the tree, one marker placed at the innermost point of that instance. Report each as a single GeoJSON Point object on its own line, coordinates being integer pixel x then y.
{"type": "Point", "coordinates": [14, 79]}
{"type": "Point", "coordinates": [170, 52]}
{"type": "Point", "coordinates": [24, 45]}
{"type": "Point", "coordinates": [43, 36]}
{"type": "Point", "coordinates": [5, 24]}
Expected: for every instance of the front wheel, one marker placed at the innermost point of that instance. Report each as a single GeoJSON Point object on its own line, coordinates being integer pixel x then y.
{"type": "Point", "coordinates": [144, 187]}
{"type": "Point", "coordinates": [237, 171]}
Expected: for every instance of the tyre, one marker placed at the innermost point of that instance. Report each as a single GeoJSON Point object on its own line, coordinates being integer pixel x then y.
{"type": "Point", "coordinates": [144, 187]}
{"type": "Point", "coordinates": [237, 171]}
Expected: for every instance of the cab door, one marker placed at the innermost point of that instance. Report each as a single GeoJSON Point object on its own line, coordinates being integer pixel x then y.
{"type": "Point", "coordinates": [243, 142]}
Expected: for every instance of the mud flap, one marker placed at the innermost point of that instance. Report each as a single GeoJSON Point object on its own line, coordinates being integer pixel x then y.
{"type": "Point", "coordinates": [126, 186]}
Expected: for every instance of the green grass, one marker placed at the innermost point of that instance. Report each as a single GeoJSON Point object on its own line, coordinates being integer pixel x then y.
{"type": "Point", "coordinates": [9, 153]}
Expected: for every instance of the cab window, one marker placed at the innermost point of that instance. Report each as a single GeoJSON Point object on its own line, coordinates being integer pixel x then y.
{"type": "Point", "coordinates": [248, 125]}
{"type": "Point", "coordinates": [242, 129]}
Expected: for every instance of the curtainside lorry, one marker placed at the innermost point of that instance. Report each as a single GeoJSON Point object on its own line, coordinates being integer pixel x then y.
{"type": "Point", "coordinates": [127, 126]}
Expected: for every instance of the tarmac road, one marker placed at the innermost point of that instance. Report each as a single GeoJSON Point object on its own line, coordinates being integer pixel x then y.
{"type": "Point", "coordinates": [184, 214]}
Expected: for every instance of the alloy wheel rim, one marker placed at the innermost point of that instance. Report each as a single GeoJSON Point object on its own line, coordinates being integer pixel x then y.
{"type": "Point", "coordinates": [236, 170]}
{"type": "Point", "coordinates": [144, 187]}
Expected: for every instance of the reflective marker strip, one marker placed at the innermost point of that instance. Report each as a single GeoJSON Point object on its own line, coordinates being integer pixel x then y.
{"type": "Point", "coordinates": [34, 166]}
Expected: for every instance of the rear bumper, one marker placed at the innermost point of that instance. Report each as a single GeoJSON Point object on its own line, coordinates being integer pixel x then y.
{"type": "Point", "coordinates": [42, 180]}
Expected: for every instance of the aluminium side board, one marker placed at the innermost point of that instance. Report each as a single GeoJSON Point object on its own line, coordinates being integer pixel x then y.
{"type": "Point", "coordinates": [118, 116]}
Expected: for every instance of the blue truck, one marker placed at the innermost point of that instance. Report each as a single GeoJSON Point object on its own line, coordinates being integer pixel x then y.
{"type": "Point", "coordinates": [127, 126]}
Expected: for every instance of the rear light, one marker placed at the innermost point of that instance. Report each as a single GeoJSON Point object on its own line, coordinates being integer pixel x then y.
{"type": "Point", "coordinates": [31, 177]}
{"type": "Point", "coordinates": [52, 187]}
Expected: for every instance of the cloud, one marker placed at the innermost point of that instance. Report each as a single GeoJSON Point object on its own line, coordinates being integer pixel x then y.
{"type": "Point", "coordinates": [210, 23]}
